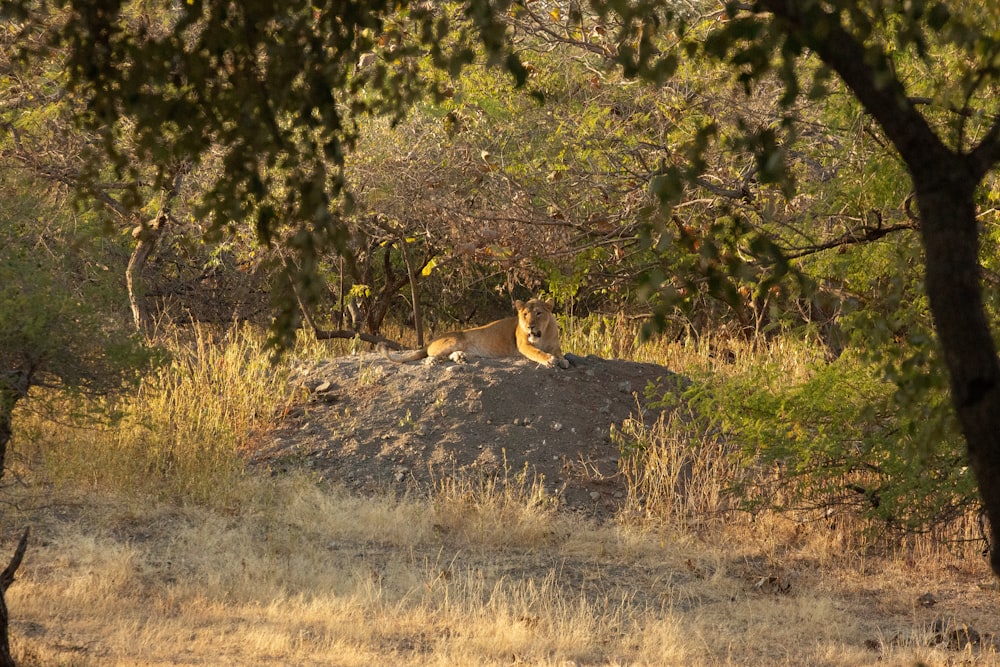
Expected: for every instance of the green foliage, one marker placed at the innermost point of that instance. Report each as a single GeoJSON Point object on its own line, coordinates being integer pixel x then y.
{"type": "Point", "coordinates": [271, 93]}
{"type": "Point", "coordinates": [843, 439]}
{"type": "Point", "coordinates": [57, 301]}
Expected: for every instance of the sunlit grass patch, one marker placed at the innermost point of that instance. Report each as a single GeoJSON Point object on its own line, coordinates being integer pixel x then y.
{"type": "Point", "coordinates": [510, 508]}
{"type": "Point", "coordinates": [183, 431]}
{"type": "Point", "coordinates": [306, 574]}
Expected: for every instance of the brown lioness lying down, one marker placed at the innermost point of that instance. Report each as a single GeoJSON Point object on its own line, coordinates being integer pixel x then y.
{"type": "Point", "coordinates": [533, 333]}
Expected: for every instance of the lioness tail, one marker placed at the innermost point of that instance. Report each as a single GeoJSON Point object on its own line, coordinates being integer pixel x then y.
{"type": "Point", "coordinates": [402, 357]}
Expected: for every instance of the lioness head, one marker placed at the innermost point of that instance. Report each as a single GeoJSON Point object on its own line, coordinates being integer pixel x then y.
{"type": "Point", "coordinates": [534, 318]}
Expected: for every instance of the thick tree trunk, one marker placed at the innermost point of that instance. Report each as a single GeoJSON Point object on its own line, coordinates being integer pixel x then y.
{"type": "Point", "coordinates": [951, 242]}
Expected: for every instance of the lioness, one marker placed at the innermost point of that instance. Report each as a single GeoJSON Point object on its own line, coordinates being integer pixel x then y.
{"type": "Point", "coordinates": [534, 333]}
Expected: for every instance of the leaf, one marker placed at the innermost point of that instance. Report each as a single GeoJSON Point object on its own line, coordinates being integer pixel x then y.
{"type": "Point", "coordinates": [667, 187]}
{"type": "Point", "coordinates": [938, 16]}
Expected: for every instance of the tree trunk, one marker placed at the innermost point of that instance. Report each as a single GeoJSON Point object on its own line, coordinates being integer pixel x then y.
{"type": "Point", "coordinates": [14, 386]}
{"type": "Point", "coordinates": [414, 293]}
{"type": "Point", "coordinates": [951, 241]}
{"type": "Point", "coordinates": [6, 579]}
{"type": "Point", "coordinates": [325, 334]}
{"type": "Point", "coordinates": [6, 422]}
{"type": "Point", "coordinates": [379, 305]}
{"type": "Point", "coordinates": [945, 182]}
{"type": "Point", "coordinates": [146, 237]}
{"type": "Point", "coordinates": [343, 299]}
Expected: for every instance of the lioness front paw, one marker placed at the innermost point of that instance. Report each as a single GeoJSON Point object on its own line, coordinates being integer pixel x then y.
{"type": "Point", "coordinates": [554, 362]}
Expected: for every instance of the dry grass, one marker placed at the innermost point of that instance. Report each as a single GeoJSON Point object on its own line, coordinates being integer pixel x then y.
{"type": "Point", "coordinates": [153, 546]}
{"type": "Point", "coordinates": [183, 433]}
{"type": "Point", "coordinates": [618, 338]}
{"type": "Point", "coordinates": [678, 470]}
{"type": "Point", "coordinates": [307, 575]}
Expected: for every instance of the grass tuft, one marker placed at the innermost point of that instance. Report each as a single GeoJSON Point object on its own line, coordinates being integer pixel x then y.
{"type": "Point", "coordinates": [183, 433]}
{"type": "Point", "coordinates": [678, 470]}
{"type": "Point", "coordinates": [496, 510]}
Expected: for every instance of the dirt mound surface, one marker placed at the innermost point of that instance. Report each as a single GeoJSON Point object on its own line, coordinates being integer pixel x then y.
{"type": "Point", "coordinates": [376, 426]}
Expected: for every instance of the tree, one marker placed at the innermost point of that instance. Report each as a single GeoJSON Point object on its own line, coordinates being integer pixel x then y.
{"type": "Point", "coordinates": [278, 86]}
{"type": "Point", "coordinates": [169, 274]}
{"type": "Point", "coordinates": [57, 331]}
{"type": "Point", "coordinates": [945, 127]}
{"type": "Point", "coordinates": [945, 180]}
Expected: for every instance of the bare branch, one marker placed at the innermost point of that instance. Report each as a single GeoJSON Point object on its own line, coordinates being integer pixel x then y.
{"type": "Point", "coordinates": [328, 334]}
{"type": "Point", "coordinates": [63, 175]}
{"type": "Point", "coordinates": [865, 234]}
{"type": "Point", "coordinates": [7, 576]}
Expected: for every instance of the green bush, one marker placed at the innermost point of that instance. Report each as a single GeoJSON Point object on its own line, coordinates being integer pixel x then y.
{"type": "Point", "coordinates": [839, 441]}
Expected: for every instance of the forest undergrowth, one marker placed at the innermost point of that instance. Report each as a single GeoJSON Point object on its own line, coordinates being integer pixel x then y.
{"type": "Point", "coordinates": [154, 543]}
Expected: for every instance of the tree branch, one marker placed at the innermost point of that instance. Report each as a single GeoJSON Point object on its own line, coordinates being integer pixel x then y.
{"type": "Point", "coordinates": [328, 334]}
{"type": "Point", "coordinates": [865, 234]}
{"type": "Point", "coordinates": [986, 155]}
{"type": "Point", "coordinates": [374, 339]}
{"type": "Point", "coordinates": [7, 576]}
{"type": "Point", "coordinates": [880, 92]}
{"type": "Point", "coordinates": [62, 175]}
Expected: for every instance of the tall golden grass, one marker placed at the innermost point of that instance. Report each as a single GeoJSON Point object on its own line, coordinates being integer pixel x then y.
{"type": "Point", "coordinates": [181, 432]}
{"type": "Point", "coordinates": [678, 470]}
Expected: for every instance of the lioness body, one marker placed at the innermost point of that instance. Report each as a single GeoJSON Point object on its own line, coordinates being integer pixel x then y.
{"type": "Point", "coordinates": [532, 333]}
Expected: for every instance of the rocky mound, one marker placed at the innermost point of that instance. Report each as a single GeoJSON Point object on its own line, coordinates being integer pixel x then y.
{"type": "Point", "coordinates": [376, 426]}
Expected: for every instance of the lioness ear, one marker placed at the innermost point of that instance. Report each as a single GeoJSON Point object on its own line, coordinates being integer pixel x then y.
{"type": "Point", "coordinates": [518, 305]}
{"type": "Point", "coordinates": [549, 304]}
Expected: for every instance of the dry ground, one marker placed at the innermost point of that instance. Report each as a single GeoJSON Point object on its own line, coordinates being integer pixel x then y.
{"type": "Point", "coordinates": [378, 426]}
{"type": "Point", "coordinates": [316, 576]}
{"type": "Point", "coordinates": [352, 547]}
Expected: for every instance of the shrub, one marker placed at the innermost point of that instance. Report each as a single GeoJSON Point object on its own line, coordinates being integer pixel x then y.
{"type": "Point", "coordinates": [839, 441]}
